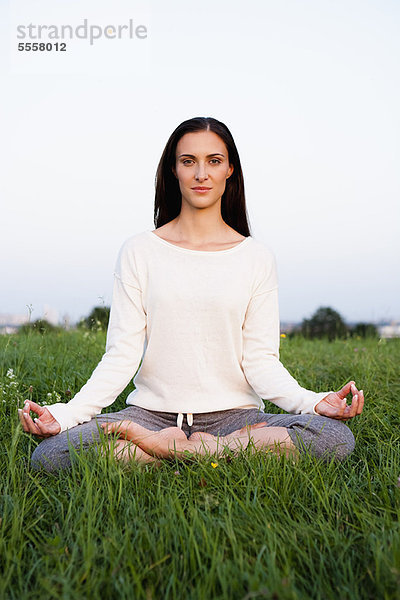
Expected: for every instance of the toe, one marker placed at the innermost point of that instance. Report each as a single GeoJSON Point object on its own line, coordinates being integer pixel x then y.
{"type": "Point", "coordinates": [200, 435]}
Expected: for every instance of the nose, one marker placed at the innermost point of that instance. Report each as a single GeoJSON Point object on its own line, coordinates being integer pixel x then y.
{"type": "Point", "coordinates": [201, 173]}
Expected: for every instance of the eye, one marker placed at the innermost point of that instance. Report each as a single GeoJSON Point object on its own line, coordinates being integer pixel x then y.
{"type": "Point", "coordinates": [186, 161]}
{"type": "Point", "coordinates": [217, 161]}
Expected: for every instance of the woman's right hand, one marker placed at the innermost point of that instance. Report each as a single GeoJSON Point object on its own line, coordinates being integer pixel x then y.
{"type": "Point", "coordinates": [44, 426]}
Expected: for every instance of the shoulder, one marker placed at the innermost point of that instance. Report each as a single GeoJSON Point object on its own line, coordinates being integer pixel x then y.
{"type": "Point", "coordinates": [129, 263]}
{"type": "Point", "coordinates": [135, 247]}
{"type": "Point", "coordinates": [262, 251]}
{"type": "Point", "coordinates": [265, 276]}
{"type": "Point", "coordinates": [135, 242]}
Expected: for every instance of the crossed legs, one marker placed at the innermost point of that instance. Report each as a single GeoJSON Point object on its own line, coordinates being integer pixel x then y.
{"type": "Point", "coordinates": [149, 436]}
{"type": "Point", "coordinates": [144, 445]}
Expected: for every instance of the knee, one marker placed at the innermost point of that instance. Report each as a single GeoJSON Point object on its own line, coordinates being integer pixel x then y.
{"type": "Point", "coordinates": [38, 460]}
{"type": "Point", "coordinates": [326, 438]}
{"type": "Point", "coordinates": [44, 457]}
{"type": "Point", "coordinates": [336, 439]}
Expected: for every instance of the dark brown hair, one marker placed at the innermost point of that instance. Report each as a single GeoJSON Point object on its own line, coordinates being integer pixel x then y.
{"type": "Point", "coordinates": [168, 197]}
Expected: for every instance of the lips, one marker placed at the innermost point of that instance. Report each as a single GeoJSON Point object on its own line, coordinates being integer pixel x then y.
{"type": "Point", "coordinates": [201, 189]}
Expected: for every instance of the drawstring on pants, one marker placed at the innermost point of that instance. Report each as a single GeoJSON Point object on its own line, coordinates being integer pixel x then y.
{"type": "Point", "coordinates": [179, 420]}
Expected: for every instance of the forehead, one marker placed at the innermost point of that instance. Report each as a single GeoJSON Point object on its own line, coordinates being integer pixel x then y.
{"type": "Point", "coordinates": [201, 142]}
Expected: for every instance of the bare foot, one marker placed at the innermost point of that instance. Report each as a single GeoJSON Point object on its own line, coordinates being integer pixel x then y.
{"type": "Point", "coordinates": [268, 439]}
{"type": "Point", "coordinates": [163, 444]}
{"type": "Point", "coordinates": [239, 439]}
{"type": "Point", "coordinates": [201, 435]}
{"type": "Point", "coordinates": [128, 452]}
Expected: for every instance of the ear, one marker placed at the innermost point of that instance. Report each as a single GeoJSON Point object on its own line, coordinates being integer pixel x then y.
{"type": "Point", "coordinates": [174, 172]}
{"type": "Point", "coordinates": [230, 171]}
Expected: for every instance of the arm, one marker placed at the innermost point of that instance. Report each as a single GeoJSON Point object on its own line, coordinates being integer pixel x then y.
{"type": "Point", "coordinates": [124, 349]}
{"type": "Point", "coordinates": [261, 365]}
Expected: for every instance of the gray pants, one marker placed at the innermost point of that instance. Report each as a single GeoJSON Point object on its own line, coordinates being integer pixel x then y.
{"type": "Point", "coordinates": [322, 437]}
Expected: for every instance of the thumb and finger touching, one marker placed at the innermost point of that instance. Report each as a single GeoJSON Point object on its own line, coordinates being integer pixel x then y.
{"type": "Point", "coordinates": [346, 389]}
{"type": "Point", "coordinates": [39, 410]}
{"type": "Point", "coordinates": [43, 426]}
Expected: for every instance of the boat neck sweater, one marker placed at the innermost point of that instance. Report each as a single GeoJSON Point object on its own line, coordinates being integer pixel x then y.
{"type": "Point", "coordinates": [203, 326]}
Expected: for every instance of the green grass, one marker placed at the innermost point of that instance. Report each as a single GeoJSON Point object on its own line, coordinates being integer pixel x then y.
{"type": "Point", "coordinates": [252, 528]}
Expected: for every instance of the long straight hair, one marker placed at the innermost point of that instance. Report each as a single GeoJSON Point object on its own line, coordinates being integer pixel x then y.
{"type": "Point", "coordinates": [168, 198]}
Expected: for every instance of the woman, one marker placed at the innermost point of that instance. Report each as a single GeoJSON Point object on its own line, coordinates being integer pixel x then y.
{"type": "Point", "coordinates": [197, 300]}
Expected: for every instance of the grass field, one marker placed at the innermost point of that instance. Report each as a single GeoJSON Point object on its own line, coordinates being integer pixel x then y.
{"type": "Point", "coordinates": [252, 528]}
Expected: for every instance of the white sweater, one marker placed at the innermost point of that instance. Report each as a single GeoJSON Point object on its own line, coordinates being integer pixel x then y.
{"type": "Point", "coordinates": [206, 325]}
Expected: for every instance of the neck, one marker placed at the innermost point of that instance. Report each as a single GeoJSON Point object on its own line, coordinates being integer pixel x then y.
{"type": "Point", "coordinates": [200, 226]}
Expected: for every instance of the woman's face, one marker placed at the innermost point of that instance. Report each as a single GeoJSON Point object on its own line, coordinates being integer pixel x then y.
{"type": "Point", "coordinates": [202, 168]}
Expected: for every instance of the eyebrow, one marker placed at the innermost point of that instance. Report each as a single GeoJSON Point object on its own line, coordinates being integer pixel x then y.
{"type": "Point", "coordinates": [208, 155]}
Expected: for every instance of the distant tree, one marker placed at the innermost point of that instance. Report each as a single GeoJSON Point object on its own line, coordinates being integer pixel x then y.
{"type": "Point", "coordinates": [364, 330]}
{"type": "Point", "coordinates": [97, 320]}
{"type": "Point", "coordinates": [324, 323]}
{"type": "Point", "coordinates": [295, 332]}
{"type": "Point", "coordinates": [39, 326]}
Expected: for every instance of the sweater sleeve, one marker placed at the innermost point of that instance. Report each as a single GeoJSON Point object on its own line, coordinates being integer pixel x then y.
{"type": "Point", "coordinates": [124, 350]}
{"type": "Point", "coordinates": [261, 336]}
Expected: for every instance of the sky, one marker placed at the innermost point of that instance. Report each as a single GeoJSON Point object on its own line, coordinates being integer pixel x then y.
{"type": "Point", "coordinates": [309, 89]}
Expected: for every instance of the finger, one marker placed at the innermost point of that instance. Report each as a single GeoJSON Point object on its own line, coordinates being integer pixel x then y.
{"type": "Point", "coordinates": [360, 402]}
{"type": "Point", "coordinates": [27, 417]}
{"type": "Point", "coordinates": [43, 432]}
{"type": "Point", "coordinates": [346, 389]}
{"type": "Point", "coordinates": [46, 429]}
{"type": "Point", "coordinates": [36, 408]}
{"type": "Point", "coordinates": [22, 419]}
{"type": "Point", "coordinates": [351, 410]}
{"type": "Point", "coordinates": [31, 426]}
{"type": "Point", "coordinates": [344, 416]}
{"type": "Point", "coordinates": [354, 405]}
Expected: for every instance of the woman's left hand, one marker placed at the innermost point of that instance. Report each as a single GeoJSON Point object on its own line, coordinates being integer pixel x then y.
{"type": "Point", "coordinates": [335, 405]}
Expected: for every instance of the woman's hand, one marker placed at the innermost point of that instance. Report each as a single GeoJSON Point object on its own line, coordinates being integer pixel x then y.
{"type": "Point", "coordinates": [44, 426]}
{"type": "Point", "coordinates": [335, 405]}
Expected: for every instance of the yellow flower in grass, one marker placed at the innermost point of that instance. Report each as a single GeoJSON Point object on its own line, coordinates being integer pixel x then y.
{"type": "Point", "coordinates": [283, 335]}
{"type": "Point", "coordinates": [214, 465]}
